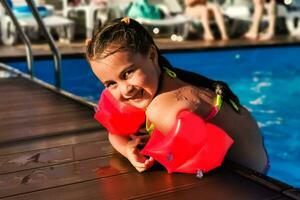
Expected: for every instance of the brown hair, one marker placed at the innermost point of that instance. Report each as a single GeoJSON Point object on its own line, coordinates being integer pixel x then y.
{"type": "Point", "coordinates": [118, 35]}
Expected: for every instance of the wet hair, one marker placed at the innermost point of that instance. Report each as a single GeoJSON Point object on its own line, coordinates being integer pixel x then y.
{"type": "Point", "coordinates": [128, 35]}
{"type": "Point", "coordinates": [118, 35]}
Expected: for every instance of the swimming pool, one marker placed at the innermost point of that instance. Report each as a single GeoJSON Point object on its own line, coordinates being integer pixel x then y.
{"type": "Point", "coordinates": [265, 79]}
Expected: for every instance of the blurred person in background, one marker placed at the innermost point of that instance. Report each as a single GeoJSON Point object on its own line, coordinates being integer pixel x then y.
{"type": "Point", "coordinates": [253, 32]}
{"type": "Point", "coordinates": [203, 10]}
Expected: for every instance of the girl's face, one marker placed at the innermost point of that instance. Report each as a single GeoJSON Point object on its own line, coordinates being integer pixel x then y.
{"type": "Point", "coordinates": [131, 78]}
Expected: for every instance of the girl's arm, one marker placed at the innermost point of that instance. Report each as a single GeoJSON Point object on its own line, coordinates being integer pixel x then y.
{"type": "Point", "coordinates": [119, 142]}
{"type": "Point", "coordinates": [128, 148]}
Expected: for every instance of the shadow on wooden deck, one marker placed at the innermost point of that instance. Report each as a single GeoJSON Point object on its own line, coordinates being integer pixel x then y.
{"type": "Point", "coordinates": [51, 148]}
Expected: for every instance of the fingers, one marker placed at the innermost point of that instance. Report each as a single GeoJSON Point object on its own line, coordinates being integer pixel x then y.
{"type": "Point", "coordinates": [139, 161]}
{"type": "Point", "coordinates": [149, 162]}
{"type": "Point", "coordinates": [140, 167]}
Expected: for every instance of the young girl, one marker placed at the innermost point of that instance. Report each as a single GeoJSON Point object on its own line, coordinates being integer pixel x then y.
{"type": "Point", "coordinates": [126, 60]}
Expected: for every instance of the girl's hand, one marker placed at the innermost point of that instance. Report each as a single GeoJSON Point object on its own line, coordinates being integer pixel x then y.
{"type": "Point", "coordinates": [139, 161]}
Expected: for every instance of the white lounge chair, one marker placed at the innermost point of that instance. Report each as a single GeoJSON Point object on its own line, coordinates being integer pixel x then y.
{"type": "Point", "coordinates": [293, 23]}
{"type": "Point", "coordinates": [63, 26]}
{"type": "Point", "coordinates": [174, 23]}
{"type": "Point", "coordinates": [239, 12]}
{"type": "Point", "coordinates": [93, 12]}
{"type": "Point", "coordinates": [293, 18]}
{"type": "Point", "coordinates": [177, 26]}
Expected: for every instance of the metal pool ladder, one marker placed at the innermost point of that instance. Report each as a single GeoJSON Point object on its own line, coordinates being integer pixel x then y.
{"type": "Point", "coordinates": [48, 36]}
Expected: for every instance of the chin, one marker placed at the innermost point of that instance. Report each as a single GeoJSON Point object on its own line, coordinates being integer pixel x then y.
{"type": "Point", "coordinates": [142, 104]}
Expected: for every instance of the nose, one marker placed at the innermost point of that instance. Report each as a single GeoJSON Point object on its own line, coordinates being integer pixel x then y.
{"type": "Point", "coordinates": [126, 90]}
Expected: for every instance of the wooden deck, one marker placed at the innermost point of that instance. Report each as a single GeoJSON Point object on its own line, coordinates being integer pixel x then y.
{"type": "Point", "coordinates": [77, 48]}
{"type": "Point", "coordinates": [51, 148]}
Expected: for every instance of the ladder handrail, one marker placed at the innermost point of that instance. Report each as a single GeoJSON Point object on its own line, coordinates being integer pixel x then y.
{"type": "Point", "coordinates": [50, 41]}
{"type": "Point", "coordinates": [24, 38]}
{"type": "Point", "coordinates": [48, 36]}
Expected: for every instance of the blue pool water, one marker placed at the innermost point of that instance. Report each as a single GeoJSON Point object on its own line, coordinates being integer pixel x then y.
{"type": "Point", "coordinates": [265, 79]}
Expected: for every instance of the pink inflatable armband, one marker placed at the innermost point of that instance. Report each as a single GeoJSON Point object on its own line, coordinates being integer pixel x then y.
{"type": "Point", "coordinates": [190, 146]}
{"type": "Point", "coordinates": [118, 118]}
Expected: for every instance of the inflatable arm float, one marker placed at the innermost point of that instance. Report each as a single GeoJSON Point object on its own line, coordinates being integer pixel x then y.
{"type": "Point", "coordinates": [118, 118]}
{"type": "Point", "coordinates": [191, 145]}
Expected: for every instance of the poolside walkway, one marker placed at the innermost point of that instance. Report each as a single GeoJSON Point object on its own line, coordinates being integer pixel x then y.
{"type": "Point", "coordinates": [51, 148]}
{"type": "Point", "coordinates": [77, 48]}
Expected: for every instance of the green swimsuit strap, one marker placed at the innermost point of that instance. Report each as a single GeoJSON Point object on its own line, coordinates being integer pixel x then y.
{"type": "Point", "coordinates": [149, 126]}
{"type": "Point", "coordinates": [170, 72]}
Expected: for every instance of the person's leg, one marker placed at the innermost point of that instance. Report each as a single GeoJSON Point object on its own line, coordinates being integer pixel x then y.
{"type": "Point", "coordinates": [252, 33]}
{"type": "Point", "coordinates": [219, 19]}
{"type": "Point", "coordinates": [201, 12]}
{"type": "Point", "coordinates": [272, 20]}
{"type": "Point", "coordinates": [208, 35]}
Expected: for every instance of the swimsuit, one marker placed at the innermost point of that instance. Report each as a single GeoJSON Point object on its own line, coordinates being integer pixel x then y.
{"type": "Point", "coordinates": [214, 111]}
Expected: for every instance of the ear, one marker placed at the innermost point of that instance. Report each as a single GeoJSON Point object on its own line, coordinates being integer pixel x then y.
{"type": "Point", "coordinates": [153, 55]}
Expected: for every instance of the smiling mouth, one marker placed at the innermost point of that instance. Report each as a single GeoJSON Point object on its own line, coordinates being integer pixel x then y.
{"type": "Point", "coordinates": [137, 96]}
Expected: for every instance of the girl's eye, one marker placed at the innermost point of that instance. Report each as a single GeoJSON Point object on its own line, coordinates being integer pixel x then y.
{"type": "Point", "coordinates": [109, 84]}
{"type": "Point", "coordinates": [127, 74]}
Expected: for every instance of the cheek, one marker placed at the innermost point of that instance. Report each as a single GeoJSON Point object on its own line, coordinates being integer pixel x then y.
{"type": "Point", "coordinates": [153, 83]}
{"type": "Point", "coordinates": [116, 94]}
{"type": "Point", "coordinates": [98, 73]}
{"type": "Point", "coordinates": [150, 83]}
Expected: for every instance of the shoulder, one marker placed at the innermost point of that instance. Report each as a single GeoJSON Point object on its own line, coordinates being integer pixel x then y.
{"type": "Point", "coordinates": [164, 108]}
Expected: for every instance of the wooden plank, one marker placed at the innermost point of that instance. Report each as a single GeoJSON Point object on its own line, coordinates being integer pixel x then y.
{"type": "Point", "coordinates": [226, 185]}
{"type": "Point", "coordinates": [25, 94]}
{"type": "Point", "coordinates": [238, 43]}
{"type": "Point", "coordinates": [77, 47]}
{"type": "Point", "coordinates": [62, 174]}
{"type": "Point", "coordinates": [29, 110]}
{"type": "Point", "coordinates": [39, 129]}
{"type": "Point", "coordinates": [93, 150]}
{"type": "Point", "coordinates": [156, 184]}
{"type": "Point", "coordinates": [53, 156]}
{"type": "Point", "coordinates": [52, 141]}
{"type": "Point", "coordinates": [35, 159]}
{"type": "Point", "coordinates": [44, 111]}
{"type": "Point", "coordinates": [37, 117]}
